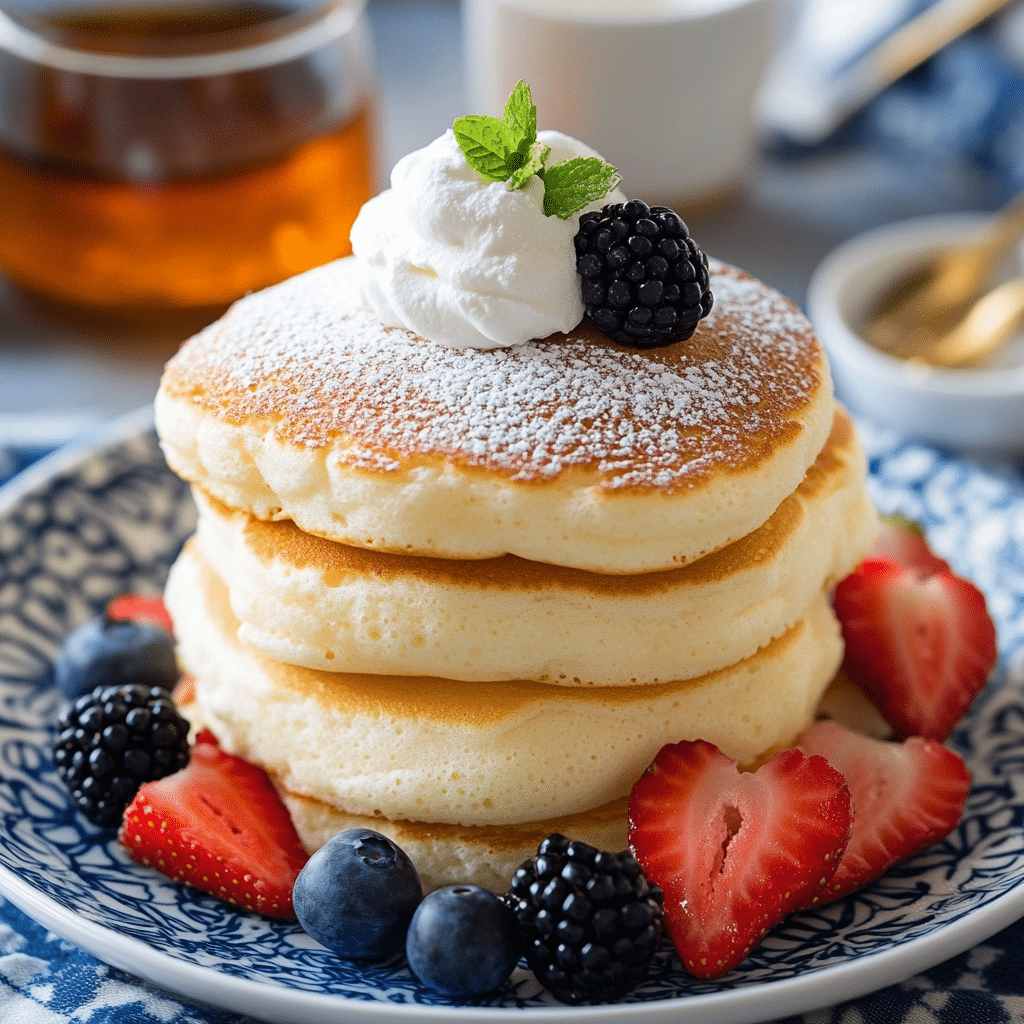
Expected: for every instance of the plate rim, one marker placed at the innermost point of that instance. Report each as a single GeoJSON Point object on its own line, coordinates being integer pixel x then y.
{"type": "Point", "coordinates": [789, 996]}
{"type": "Point", "coordinates": [824, 986]}
{"type": "Point", "coordinates": [91, 441]}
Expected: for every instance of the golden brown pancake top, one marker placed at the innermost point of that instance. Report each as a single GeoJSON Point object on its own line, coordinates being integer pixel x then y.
{"type": "Point", "coordinates": [307, 362]}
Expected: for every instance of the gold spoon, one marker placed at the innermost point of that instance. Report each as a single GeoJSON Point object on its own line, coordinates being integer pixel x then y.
{"type": "Point", "coordinates": [991, 322]}
{"type": "Point", "coordinates": [939, 290]}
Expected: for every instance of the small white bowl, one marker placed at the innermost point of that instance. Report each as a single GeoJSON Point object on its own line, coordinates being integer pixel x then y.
{"type": "Point", "coordinates": [978, 410]}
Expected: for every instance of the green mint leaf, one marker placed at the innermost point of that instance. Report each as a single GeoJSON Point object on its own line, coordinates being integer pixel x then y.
{"type": "Point", "coordinates": [507, 150]}
{"type": "Point", "coordinates": [486, 143]}
{"type": "Point", "coordinates": [533, 164]}
{"type": "Point", "coordinates": [573, 184]}
{"type": "Point", "coordinates": [521, 118]}
{"type": "Point", "coordinates": [504, 150]}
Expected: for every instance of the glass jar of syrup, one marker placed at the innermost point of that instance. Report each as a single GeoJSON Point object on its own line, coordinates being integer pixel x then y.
{"type": "Point", "coordinates": [171, 154]}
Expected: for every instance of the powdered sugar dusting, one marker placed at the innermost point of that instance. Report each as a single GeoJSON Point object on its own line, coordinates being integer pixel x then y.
{"type": "Point", "coordinates": [304, 356]}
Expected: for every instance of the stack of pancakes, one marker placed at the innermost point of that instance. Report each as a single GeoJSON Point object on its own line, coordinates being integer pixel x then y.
{"type": "Point", "coordinates": [463, 597]}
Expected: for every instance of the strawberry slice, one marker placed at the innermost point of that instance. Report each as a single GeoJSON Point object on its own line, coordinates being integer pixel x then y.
{"type": "Point", "coordinates": [920, 645]}
{"type": "Point", "coordinates": [903, 542]}
{"type": "Point", "coordinates": [219, 825]}
{"type": "Point", "coordinates": [735, 852]}
{"type": "Point", "coordinates": [906, 797]}
{"type": "Point", "coordinates": [151, 608]}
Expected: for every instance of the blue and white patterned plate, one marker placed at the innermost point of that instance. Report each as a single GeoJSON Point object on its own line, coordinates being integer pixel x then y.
{"type": "Point", "coordinates": [85, 525]}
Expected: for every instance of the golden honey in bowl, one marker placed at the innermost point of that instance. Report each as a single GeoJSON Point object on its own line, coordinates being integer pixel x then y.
{"type": "Point", "coordinates": [180, 156]}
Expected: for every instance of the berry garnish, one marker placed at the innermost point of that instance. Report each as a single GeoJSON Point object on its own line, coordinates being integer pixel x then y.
{"type": "Point", "coordinates": [590, 920]}
{"type": "Point", "coordinates": [906, 796]}
{"type": "Point", "coordinates": [357, 895]}
{"type": "Point", "coordinates": [919, 639]}
{"type": "Point", "coordinates": [903, 541]}
{"type": "Point", "coordinates": [645, 282]}
{"type": "Point", "coordinates": [110, 652]}
{"type": "Point", "coordinates": [735, 852]}
{"type": "Point", "coordinates": [463, 941]}
{"type": "Point", "coordinates": [114, 739]}
{"type": "Point", "coordinates": [145, 607]}
{"type": "Point", "coordinates": [220, 826]}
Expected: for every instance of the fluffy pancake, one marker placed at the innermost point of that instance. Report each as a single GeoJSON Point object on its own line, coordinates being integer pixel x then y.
{"type": "Point", "coordinates": [484, 855]}
{"type": "Point", "coordinates": [446, 855]}
{"type": "Point", "coordinates": [472, 753]}
{"type": "Point", "coordinates": [308, 601]}
{"type": "Point", "coordinates": [443, 854]}
{"type": "Point", "coordinates": [573, 450]}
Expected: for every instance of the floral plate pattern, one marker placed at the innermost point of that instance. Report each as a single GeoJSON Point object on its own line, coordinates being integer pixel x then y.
{"type": "Point", "coordinates": [109, 517]}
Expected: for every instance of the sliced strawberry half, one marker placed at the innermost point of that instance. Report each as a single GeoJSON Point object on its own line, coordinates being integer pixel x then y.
{"type": "Point", "coordinates": [920, 646]}
{"type": "Point", "coordinates": [906, 796]}
{"type": "Point", "coordinates": [735, 852]}
{"type": "Point", "coordinates": [219, 825]}
{"type": "Point", "coordinates": [151, 608]}
{"type": "Point", "coordinates": [903, 542]}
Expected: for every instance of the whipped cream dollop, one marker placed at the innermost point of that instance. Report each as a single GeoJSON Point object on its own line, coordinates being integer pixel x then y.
{"type": "Point", "coordinates": [466, 262]}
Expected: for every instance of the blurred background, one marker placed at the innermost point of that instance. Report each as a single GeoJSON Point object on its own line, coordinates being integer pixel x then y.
{"type": "Point", "coordinates": [948, 136]}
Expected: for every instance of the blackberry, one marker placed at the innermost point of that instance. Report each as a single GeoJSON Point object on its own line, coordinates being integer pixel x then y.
{"type": "Point", "coordinates": [112, 740]}
{"type": "Point", "coordinates": [590, 921]}
{"type": "Point", "coordinates": [645, 282]}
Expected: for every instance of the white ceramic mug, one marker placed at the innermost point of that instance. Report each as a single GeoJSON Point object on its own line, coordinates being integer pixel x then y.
{"type": "Point", "coordinates": [662, 89]}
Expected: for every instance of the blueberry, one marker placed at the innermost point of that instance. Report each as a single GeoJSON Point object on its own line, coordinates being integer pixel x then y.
{"type": "Point", "coordinates": [357, 894]}
{"type": "Point", "coordinates": [463, 941]}
{"type": "Point", "coordinates": [108, 652]}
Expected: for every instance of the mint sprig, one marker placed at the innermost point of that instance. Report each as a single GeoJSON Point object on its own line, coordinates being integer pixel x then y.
{"type": "Point", "coordinates": [506, 149]}
{"type": "Point", "coordinates": [573, 184]}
